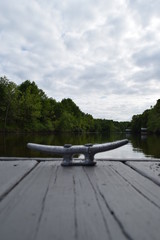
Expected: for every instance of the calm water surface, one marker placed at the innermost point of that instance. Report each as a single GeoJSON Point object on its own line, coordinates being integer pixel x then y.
{"type": "Point", "coordinates": [142, 146]}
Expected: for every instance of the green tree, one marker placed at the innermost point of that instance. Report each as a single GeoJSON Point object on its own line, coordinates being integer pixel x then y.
{"type": "Point", "coordinates": [69, 106]}
{"type": "Point", "coordinates": [8, 102]}
{"type": "Point", "coordinates": [48, 117]}
{"type": "Point", "coordinates": [136, 123]}
{"type": "Point", "coordinates": [30, 106]}
{"type": "Point", "coordinates": [153, 123]}
{"type": "Point", "coordinates": [66, 122]}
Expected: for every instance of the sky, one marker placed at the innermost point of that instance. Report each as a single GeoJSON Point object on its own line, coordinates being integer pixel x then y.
{"type": "Point", "coordinates": [104, 55]}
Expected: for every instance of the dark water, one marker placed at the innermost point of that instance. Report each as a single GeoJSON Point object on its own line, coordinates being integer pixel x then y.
{"type": "Point", "coordinates": [14, 145]}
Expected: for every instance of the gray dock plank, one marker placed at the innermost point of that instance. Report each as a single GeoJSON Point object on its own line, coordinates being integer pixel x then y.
{"type": "Point", "coordinates": [147, 188]}
{"type": "Point", "coordinates": [137, 216]}
{"type": "Point", "coordinates": [148, 169]}
{"type": "Point", "coordinates": [11, 173]}
{"type": "Point", "coordinates": [76, 210]}
{"type": "Point", "coordinates": [111, 201]}
{"type": "Point", "coordinates": [56, 203]}
{"type": "Point", "coordinates": [21, 210]}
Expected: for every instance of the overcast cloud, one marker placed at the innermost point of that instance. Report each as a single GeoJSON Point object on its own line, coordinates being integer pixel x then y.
{"type": "Point", "coordinates": [103, 54]}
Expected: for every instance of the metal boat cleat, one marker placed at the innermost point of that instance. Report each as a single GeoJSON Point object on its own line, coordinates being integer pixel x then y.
{"type": "Point", "coordinates": [68, 150]}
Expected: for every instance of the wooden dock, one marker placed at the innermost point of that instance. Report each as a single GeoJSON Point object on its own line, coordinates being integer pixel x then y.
{"type": "Point", "coordinates": [115, 200]}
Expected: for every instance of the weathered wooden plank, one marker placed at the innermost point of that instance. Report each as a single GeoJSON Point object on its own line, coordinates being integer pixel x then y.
{"type": "Point", "coordinates": [128, 159]}
{"type": "Point", "coordinates": [11, 173]}
{"type": "Point", "coordinates": [138, 217]}
{"type": "Point", "coordinates": [21, 210]}
{"type": "Point", "coordinates": [29, 159]}
{"type": "Point", "coordinates": [148, 169]}
{"type": "Point", "coordinates": [110, 201]}
{"type": "Point", "coordinates": [147, 188]}
{"type": "Point", "coordinates": [58, 220]}
{"type": "Point", "coordinates": [73, 210]}
{"type": "Point", "coordinates": [56, 203]}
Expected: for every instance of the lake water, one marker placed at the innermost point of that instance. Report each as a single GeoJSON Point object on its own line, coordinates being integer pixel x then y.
{"type": "Point", "coordinates": [141, 146]}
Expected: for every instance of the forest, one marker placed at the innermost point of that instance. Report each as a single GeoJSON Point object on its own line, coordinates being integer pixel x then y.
{"type": "Point", "coordinates": [149, 119]}
{"type": "Point", "coordinates": [26, 108]}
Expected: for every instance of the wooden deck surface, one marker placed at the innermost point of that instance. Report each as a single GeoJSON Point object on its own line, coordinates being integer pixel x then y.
{"type": "Point", "coordinates": [114, 200]}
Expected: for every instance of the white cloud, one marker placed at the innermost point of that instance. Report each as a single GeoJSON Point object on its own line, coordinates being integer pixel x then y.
{"type": "Point", "coordinates": [104, 55]}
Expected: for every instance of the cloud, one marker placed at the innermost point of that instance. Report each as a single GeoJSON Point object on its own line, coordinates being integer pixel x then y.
{"type": "Point", "coordinates": [104, 55]}
{"type": "Point", "coordinates": [148, 56]}
{"type": "Point", "coordinates": [145, 10]}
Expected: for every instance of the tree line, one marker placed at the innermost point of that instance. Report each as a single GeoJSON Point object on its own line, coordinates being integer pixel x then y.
{"type": "Point", "coordinates": [149, 119]}
{"type": "Point", "coordinates": [26, 108]}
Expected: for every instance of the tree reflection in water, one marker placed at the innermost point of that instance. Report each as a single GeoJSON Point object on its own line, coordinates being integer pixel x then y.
{"type": "Point", "coordinates": [140, 146]}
